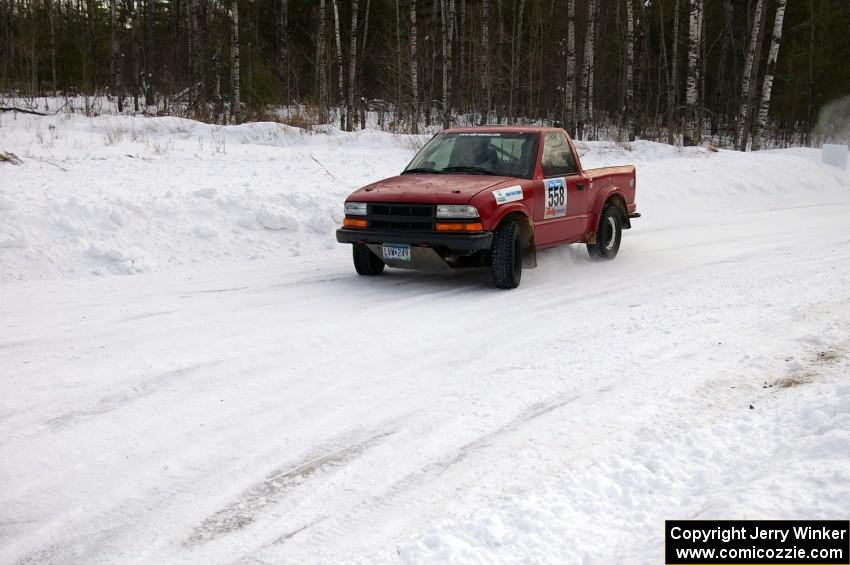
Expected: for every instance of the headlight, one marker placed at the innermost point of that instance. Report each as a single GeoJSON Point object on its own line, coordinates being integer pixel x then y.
{"type": "Point", "coordinates": [455, 211]}
{"type": "Point", "coordinates": [355, 208]}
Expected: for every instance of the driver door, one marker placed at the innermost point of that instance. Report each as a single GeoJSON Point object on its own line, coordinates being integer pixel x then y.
{"type": "Point", "coordinates": [560, 207]}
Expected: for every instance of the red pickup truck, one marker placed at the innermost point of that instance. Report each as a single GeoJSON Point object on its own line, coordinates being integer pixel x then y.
{"type": "Point", "coordinates": [488, 197]}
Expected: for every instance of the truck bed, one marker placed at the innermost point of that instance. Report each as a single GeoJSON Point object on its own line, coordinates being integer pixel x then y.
{"type": "Point", "coordinates": [608, 171]}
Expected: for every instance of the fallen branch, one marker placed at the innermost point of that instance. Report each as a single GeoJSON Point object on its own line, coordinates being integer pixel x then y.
{"type": "Point", "coordinates": [323, 167]}
{"type": "Point", "coordinates": [10, 158]}
{"type": "Point", "coordinates": [54, 164]}
{"type": "Point", "coordinates": [22, 110]}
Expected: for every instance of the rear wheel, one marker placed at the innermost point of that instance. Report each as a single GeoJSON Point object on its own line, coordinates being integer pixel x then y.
{"type": "Point", "coordinates": [365, 262]}
{"type": "Point", "coordinates": [506, 261]}
{"type": "Point", "coordinates": [608, 234]}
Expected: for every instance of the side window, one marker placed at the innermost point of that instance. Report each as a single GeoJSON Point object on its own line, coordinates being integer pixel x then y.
{"type": "Point", "coordinates": [557, 160]}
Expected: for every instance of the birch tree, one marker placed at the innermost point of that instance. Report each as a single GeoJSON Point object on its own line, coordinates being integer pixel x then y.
{"type": "Point", "coordinates": [340, 72]}
{"type": "Point", "coordinates": [693, 136]}
{"type": "Point", "coordinates": [767, 85]}
{"type": "Point", "coordinates": [750, 75]}
{"type": "Point", "coordinates": [235, 102]}
{"type": "Point", "coordinates": [448, 15]}
{"type": "Point", "coordinates": [414, 67]}
{"type": "Point", "coordinates": [570, 87]}
{"type": "Point", "coordinates": [352, 67]}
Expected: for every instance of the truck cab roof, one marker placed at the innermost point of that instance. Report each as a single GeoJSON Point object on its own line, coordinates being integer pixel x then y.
{"type": "Point", "coordinates": [502, 129]}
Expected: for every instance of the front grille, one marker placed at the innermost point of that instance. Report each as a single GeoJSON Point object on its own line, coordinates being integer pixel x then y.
{"type": "Point", "coordinates": [406, 217]}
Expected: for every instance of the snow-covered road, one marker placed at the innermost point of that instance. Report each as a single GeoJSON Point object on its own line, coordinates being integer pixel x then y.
{"type": "Point", "coordinates": [283, 410]}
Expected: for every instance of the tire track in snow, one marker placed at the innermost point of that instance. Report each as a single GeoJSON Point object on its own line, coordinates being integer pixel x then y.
{"type": "Point", "coordinates": [242, 512]}
{"type": "Point", "coordinates": [117, 400]}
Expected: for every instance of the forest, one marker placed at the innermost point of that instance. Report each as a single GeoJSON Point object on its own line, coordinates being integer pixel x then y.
{"type": "Point", "coordinates": [733, 73]}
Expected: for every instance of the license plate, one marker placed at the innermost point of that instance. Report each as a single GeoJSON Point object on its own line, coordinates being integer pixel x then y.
{"type": "Point", "coordinates": [396, 252]}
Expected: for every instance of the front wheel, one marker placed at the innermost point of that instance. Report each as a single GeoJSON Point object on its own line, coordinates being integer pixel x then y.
{"type": "Point", "coordinates": [506, 256]}
{"type": "Point", "coordinates": [608, 234]}
{"type": "Point", "coordinates": [365, 262]}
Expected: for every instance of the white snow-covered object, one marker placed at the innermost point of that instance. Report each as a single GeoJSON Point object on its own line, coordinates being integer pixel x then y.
{"type": "Point", "coordinates": [834, 154]}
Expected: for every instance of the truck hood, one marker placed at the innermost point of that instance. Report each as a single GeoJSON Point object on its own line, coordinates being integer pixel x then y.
{"type": "Point", "coordinates": [429, 189]}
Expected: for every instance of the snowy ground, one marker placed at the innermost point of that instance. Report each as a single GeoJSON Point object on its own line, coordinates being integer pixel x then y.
{"type": "Point", "coordinates": [245, 397]}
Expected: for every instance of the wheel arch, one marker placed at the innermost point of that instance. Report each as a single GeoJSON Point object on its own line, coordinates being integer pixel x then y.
{"type": "Point", "coordinates": [614, 197]}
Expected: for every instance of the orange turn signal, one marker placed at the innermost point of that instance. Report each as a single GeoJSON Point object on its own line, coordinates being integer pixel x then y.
{"type": "Point", "coordinates": [355, 223]}
{"type": "Point", "coordinates": [443, 226]}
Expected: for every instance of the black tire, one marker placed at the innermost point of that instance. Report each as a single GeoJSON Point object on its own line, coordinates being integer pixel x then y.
{"type": "Point", "coordinates": [609, 233]}
{"type": "Point", "coordinates": [506, 256]}
{"type": "Point", "coordinates": [365, 262]}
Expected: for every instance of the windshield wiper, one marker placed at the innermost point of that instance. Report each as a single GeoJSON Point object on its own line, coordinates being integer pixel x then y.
{"type": "Point", "coordinates": [420, 170]}
{"type": "Point", "coordinates": [468, 169]}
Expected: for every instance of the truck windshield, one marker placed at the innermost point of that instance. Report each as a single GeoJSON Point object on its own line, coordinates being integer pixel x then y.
{"type": "Point", "coordinates": [507, 154]}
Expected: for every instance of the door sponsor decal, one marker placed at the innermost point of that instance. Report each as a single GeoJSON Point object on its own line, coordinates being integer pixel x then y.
{"type": "Point", "coordinates": [554, 198]}
{"type": "Point", "coordinates": [510, 194]}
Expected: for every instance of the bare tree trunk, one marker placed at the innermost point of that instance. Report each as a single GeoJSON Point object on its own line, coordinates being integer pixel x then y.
{"type": "Point", "coordinates": [149, 59]}
{"type": "Point", "coordinates": [668, 65]}
{"type": "Point", "coordinates": [414, 66]}
{"type": "Point", "coordinates": [398, 63]}
{"type": "Point", "coordinates": [448, 16]}
{"type": "Point", "coordinates": [674, 70]}
{"type": "Point", "coordinates": [235, 103]}
{"type": "Point", "coordinates": [51, 38]}
{"type": "Point", "coordinates": [136, 15]}
{"type": "Point", "coordinates": [217, 80]}
{"type": "Point", "coordinates": [432, 70]}
{"type": "Point", "coordinates": [283, 52]}
{"type": "Point", "coordinates": [693, 135]}
{"type": "Point", "coordinates": [720, 84]}
{"type": "Point", "coordinates": [33, 41]}
{"type": "Point", "coordinates": [767, 86]}
{"type": "Point", "coordinates": [811, 98]}
{"type": "Point", "coordinates": [700, 113]}
{"type": "Point", "coordinates": [352, 67]}
{"type": "Point", "coordinates": [362, 103]}
{"type": "Point", "coordinates": [199, 74]}
{"type": "Point", "coordinates": [570, 87]}
{"type": "Point", "coordinates": [516, 51]}
{"type": "Point", "coordinates": [93, 62]}
{"type": "Point", "coordinates": [630, 73]}
{"type": "Point", "coordinates": [115, 63]}
{"type": "Point", "coordinates": [589, 50]}
{"type": "Point", "coordinates": [341, 73]}
{"type": "Point", "coordinates": [320, 66]}
{"type": "Point", "coordinates": [460, 88]}
{"type": "Point", "coordinates": [751, 75]}
{"type": "Point", "coordinates": [485, 62]}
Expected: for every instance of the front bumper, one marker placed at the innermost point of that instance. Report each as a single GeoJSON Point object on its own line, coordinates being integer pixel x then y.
{"type": "Point", "coordinates": [451, 241]}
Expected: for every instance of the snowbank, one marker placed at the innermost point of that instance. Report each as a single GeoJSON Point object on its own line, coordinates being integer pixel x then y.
{"type": "Point", "coordinates": [127, 195]}
{"type": "Point", "coordinates": [119, 194]}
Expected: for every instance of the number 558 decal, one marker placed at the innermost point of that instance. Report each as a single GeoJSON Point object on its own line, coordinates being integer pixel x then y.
{"type": "Point", "coordinates": [555, 198]}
